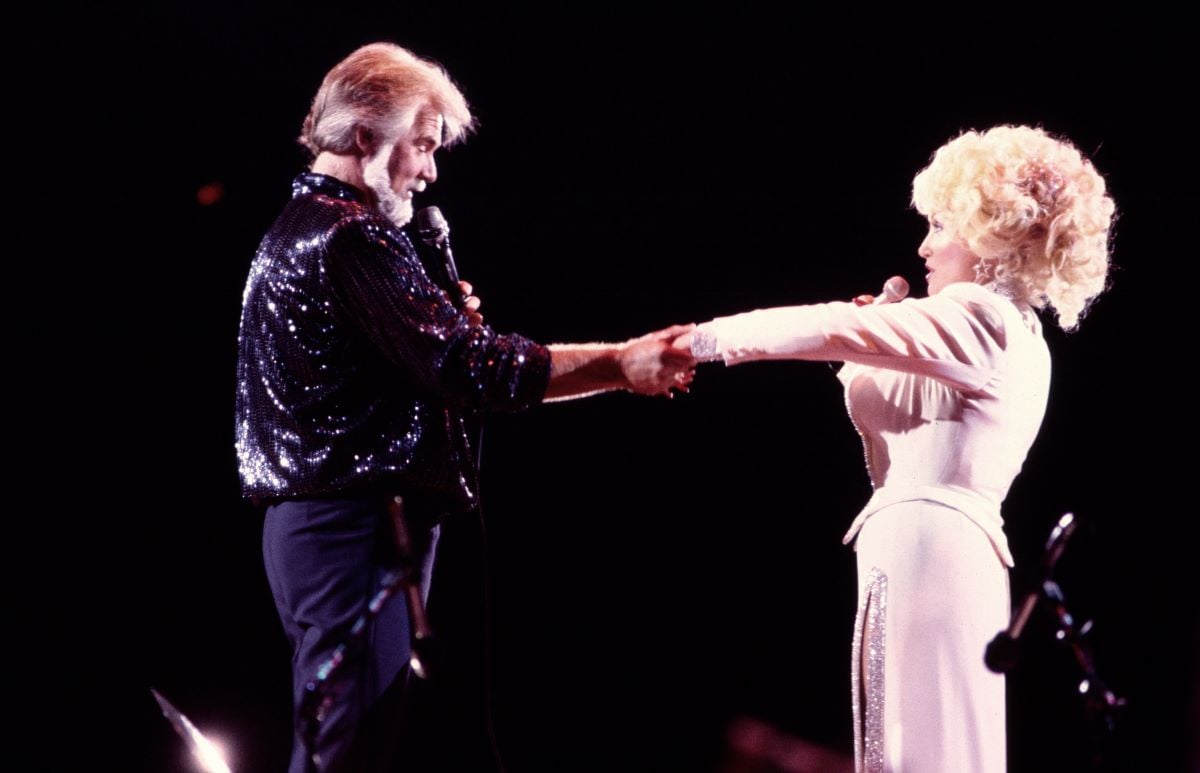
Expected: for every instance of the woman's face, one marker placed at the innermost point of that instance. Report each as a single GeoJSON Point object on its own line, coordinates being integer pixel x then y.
{"type": "Point", "coordinates": [947, 258]}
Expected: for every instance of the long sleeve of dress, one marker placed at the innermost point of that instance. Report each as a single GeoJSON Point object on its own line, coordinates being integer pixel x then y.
{"type": "Point", "coordinates": [954, 337]}
{"type": "Point", "coordinates": [947, 392]}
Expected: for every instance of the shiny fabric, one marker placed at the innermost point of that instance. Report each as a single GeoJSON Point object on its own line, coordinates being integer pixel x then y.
{"type": "Point", "coordinates": [355, 370]}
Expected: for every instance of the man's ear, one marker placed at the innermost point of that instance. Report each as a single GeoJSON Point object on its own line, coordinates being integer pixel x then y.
{"type": "Point", "coordinates": [365, 140]}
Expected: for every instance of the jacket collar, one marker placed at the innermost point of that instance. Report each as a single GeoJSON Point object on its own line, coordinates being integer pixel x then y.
{"type": "Point", "coordinates": [311, 183]}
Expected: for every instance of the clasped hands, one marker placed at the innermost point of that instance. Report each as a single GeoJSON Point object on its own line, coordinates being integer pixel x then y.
{"type": "Point", "coordinates": [655, 364]}
{"type": "Point", "coordinates": [662, 361]}
{"type": "Point", "coordinates": [658, 363]}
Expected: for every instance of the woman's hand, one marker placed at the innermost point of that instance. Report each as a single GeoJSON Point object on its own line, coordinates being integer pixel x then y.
{"type": "Point", "coordinates": [654, 365]}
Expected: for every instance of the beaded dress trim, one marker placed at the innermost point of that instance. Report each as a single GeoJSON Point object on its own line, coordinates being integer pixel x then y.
{"type": "Point", "coordinates": [866, 674]}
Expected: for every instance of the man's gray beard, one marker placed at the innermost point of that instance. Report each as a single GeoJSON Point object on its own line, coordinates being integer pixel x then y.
{"type": "Point", "coordinates": [375, 176]}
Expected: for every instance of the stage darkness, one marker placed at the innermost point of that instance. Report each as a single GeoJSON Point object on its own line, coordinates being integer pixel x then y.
{"type": "Point", "coordinates": [656, 570]}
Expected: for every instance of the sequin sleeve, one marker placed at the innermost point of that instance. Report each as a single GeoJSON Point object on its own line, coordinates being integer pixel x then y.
{"type": "Point", "coordinates": [384, 291]}
{"type": "Point", "coordinates": [955, 337]}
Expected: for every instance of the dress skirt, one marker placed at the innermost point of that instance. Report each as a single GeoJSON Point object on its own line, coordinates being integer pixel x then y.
{"type": "Point", "coordinates": [933, 593]}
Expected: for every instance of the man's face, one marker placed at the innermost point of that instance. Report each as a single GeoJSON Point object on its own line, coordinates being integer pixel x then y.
{"type": "Point", "coordinates": [410, 167]}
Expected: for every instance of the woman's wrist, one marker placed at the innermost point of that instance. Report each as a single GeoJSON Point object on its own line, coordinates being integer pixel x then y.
{"type": "Point", "coordinates": [704, 344]}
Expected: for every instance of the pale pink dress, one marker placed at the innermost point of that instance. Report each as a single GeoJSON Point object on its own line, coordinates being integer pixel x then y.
{"type": "Point", "coordinates": [947, 393]}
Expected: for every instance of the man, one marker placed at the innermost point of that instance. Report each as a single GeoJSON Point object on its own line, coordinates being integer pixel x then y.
{"type": "Point", "coordinates": [355, 370]}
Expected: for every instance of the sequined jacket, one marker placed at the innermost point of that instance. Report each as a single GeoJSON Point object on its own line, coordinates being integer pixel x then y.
{"type": "Point", "coordinates": [354, 369]}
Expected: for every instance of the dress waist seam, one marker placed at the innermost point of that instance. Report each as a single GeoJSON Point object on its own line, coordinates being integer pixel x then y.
{"type": "Point", "coordinates": [980, 511]}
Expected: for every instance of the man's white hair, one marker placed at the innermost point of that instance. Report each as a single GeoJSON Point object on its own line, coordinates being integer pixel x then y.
{"type": "Point", "coordinates": [381, 88]}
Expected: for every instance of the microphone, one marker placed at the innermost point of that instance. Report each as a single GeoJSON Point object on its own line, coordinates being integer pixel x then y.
{"type": "Point", "coordinates": [434, 231]}
{"type": "Point", "coordinates": [1002, 651]}
{"type": "Point", "coordinates": [894, 289]}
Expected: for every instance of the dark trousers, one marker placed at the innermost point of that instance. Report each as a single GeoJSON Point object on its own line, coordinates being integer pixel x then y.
{"type": "Point", "coordinates": [325, 559]}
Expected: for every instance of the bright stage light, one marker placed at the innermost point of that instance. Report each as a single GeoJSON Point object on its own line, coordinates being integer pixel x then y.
{"type": "Point", "coordinates": [209, 755]}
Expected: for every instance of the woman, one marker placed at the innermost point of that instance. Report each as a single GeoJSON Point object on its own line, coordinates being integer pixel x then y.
{"type": "Point", "coordinates": [947, 393]}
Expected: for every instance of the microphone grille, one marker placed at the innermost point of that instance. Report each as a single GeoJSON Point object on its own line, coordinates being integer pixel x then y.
{"type": "Point", "coordinates": [896, 289]}
{"type": "Point", "coordinates": [432, 227]}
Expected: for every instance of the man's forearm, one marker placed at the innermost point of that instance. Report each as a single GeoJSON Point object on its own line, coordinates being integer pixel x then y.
{"type": "Point", "coordinates": [578, 370]}
{"type": "Point", "coordinates": [648, 365]}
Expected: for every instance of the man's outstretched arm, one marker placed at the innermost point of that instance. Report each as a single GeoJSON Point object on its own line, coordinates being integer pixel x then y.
{"type": "Point", "coordinates": [649, 365]}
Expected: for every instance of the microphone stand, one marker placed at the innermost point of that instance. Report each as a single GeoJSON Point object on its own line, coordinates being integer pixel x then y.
{"type": "Point", "coordinates": [1101, 704]}
{"type": "Point", "coordinates": [320, 690]}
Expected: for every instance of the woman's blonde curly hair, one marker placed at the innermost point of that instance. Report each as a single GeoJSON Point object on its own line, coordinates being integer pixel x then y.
{"type": "Point", "coordinates": [1031, 207]}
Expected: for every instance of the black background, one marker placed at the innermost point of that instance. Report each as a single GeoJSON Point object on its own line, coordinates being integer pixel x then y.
{"type": "Point", "coordinates": [656, 569]}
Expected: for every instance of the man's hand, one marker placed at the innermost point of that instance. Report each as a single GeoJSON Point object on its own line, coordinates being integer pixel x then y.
{"type": "Point", "coordinates": [654, 365]}
{"type": "Point", "coordinates": [471, 304]}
